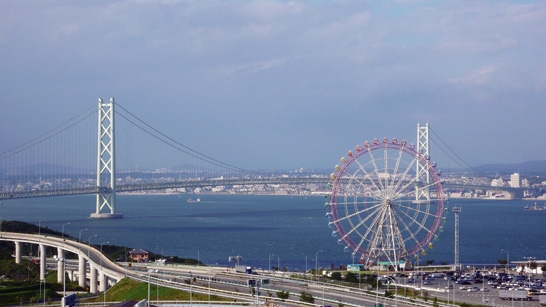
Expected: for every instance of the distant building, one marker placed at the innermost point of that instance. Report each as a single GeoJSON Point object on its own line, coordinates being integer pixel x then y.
{"type": "Point", "coordinates": [497, 182]}
{"type": "Point", "coordinates": [515, 180]}
{"type": "Point", "coordinates": [356, 267]}
{"type": "Point", "coordinates": [139, 255]}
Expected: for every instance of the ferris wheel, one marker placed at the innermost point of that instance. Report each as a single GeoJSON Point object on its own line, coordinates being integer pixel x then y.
{"type": "Point", "coordinates": [386, 202]}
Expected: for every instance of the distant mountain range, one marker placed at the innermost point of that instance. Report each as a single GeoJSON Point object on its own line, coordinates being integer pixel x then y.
{"type": "Point", "coordinates": [529, 167]}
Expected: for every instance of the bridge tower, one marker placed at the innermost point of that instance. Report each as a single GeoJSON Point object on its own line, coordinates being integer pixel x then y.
{"type": "Point", "coordinates": [456, 210]}
{"type": "Point", "coordinates": [106, 181]}
{"type": "Point", "coordinates": [423, 148]}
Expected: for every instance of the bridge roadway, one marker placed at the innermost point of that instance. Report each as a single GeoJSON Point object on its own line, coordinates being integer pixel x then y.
{"type": "Point", "coordinates": [514, 192]}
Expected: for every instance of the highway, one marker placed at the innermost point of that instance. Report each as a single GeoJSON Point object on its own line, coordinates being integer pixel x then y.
{"type": "Point", "coordinates": [225, 282]}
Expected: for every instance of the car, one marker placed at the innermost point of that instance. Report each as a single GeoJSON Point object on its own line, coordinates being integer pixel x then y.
{"type": "Point", "coordinates": [427, 282]}
{"type": "Point", "coordinates": [473, 289]}
{"type": "Point", "coordinates": [484, 290]}
{"type": "Point", "coordinates": [450, 287]}
{"type": "Point", "coordinates": [463, 288]}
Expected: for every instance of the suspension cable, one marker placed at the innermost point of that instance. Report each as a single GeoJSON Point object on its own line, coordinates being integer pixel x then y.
{"type": "Point", "coordinates": [465, 166]}
{"type": "Point", "coordinates": [47, 135]}
{"type": "Point", "coordinates": [185, 149]}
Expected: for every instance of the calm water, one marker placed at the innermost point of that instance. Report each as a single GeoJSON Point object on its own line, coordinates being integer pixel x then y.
{"type": "Point", "coordinates": [284, 230]}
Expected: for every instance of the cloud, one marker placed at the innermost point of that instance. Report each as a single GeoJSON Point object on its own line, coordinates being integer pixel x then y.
{"type": "Point", "coordinates": [261, 74]}
{"type": "Point", "coordinates": [476, 77]}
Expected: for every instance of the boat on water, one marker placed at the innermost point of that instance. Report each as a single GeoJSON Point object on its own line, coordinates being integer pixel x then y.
{"type": "Point", "coordinates": [535, 207]}
{"type": "Point", "coordinates": [191, 200]}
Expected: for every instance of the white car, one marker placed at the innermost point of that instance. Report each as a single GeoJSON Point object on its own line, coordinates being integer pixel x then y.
{"type": "Point", "coordinates": [473, 289]}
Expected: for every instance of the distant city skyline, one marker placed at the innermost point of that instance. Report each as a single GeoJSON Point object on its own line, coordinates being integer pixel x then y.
{"type": "Point", "coordinates": [285, 84]}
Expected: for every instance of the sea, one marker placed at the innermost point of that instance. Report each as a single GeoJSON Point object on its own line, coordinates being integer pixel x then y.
{"type": "Point", "coordinates": [262, 231]}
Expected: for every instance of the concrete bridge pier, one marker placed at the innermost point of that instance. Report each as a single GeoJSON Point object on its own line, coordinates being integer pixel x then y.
{"type": "Point", "coordinates": [82, 279]}
{"type": "Point", "coordinates": [17, 252]}
{"type": "Point", "coordinates": [92, 279]}
{"type": "Point", "coordinates": [42, 252]}
{"type": "Point", "coordinates": [102, 281]}
{"type": "Point", "coordinates": [60, 266]}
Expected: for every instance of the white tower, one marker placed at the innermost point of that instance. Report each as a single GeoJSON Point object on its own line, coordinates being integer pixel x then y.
{"type": "Point", "coordinates": [106, 181]}
{"type": "Point", "coordinates": [456, 210]}
{"type": "Point", "coordinates": [423, 149]}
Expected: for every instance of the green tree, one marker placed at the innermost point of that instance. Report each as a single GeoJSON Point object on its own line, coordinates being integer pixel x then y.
{"type": "Point", "coordinates": [283, 295]}
{"type": "Point", "coordinates": [351, 277]}
{"type": "Point", "coordinates": [307, 297]}
{"type": "Point", "coordinates": [336, 276]}
{"type": "Point", "coordinates": [426, 295]}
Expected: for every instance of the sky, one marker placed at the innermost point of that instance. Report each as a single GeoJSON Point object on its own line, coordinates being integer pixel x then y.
{"type": "Point", "coordinates": [284, 84]}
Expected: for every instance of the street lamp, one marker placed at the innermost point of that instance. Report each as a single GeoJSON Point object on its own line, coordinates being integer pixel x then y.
{"type": "Point", "coordinates": [107, 242]}
{"type": "Point", "coordinates": [316, 263]}
{"type": "Point", "coordinates": [530, 271]}
{"type": "Point", "coordinates": [507, 269]}
{"type": "Point", "coordinates": [63, 260]}
{"type": "Point", "coordinates": [40, 226]}
{"type": "Point", "coordinates": [103, 280]}
{"type": "Point", "coordinates": [89, 244]}
{"type": "Point", "coordinates": [63, 229]}
{"type": "Point", "coordinates": [80, 237]}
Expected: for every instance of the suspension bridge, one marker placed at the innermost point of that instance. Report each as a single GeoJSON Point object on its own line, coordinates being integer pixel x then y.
{"type": "Point", "coordinates": [58, 162]}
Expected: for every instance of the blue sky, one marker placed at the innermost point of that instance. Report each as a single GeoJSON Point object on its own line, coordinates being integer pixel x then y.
{"type": "Point", "coordinates": [284, 84]}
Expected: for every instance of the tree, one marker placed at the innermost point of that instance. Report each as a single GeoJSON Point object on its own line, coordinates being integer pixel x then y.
{"type": "Point", "coordinates": [307, 297]}
{"type": "Point", "coordinates": [426, 295]}
{"type": "Point", "coordinates": [336, 276]}
{"type": "Point", "coordinates": [283, 295]}
{"type": "Point", "coordinates": [351, 277]}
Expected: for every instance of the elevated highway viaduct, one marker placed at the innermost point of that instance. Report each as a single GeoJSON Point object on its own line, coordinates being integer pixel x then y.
{"type": "Point", "coordinates": [94, 269]}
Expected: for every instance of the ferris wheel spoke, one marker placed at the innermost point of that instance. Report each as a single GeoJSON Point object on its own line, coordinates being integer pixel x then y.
{"type": "Point", "coordinates": [362, 222]}
{"type": "Point", "coordinates": [367, 176]}
{"type": "Point", "coordinates": [349, 216]}
{"type": "Point", "coordinates": [417, 222]}
{"type": "Point", "coordinates": [376, 170]}
{"type": "Point", "coordinates": [371, 233]}
{"type": "Point", "coordinates": [411, 235]}
{"type": "Point", "coordinates": [394, 180]}
{"type": "Point", "coordinates": [402, 187]}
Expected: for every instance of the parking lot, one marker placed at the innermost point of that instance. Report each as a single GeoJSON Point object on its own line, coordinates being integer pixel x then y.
{"type": "Point", "coordinates": [473, 293]}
